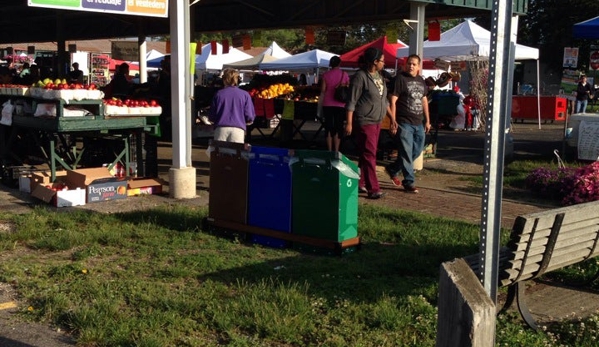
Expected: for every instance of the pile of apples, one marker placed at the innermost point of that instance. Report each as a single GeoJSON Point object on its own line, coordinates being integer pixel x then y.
{"type": "Point", "coordinates": [61, 89]}
{"type": "Point", "coordinates": [131, 102]}
{"type": "Point", "coordinates": [116, 106]}
{"type": "Point", "coordinates": [59, 84]}
{"type": "Point", "coordinates": [57, 186]}
{"type": "Point", "coordinates": [13, 89]}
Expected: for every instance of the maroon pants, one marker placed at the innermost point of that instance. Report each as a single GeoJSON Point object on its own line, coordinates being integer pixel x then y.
{"type": "Point", "coordinates": [367, 139]}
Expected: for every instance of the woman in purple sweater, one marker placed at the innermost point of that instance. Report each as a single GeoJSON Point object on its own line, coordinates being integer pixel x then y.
{"type": "Point", "coordinates": [231, 110]}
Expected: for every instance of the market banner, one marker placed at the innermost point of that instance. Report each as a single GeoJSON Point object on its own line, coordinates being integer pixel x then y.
{"type": "Point", "coordinates": [594, 58]}
{"type": "Point", "coordinates": [147, 8]}
{"type": "Point", "coordinates": [570, 57]}
{"type": "Point", "coordinates": [442, 64]}
{"type": "Point", "coordinates": [458, 65]}
{"type": "Point", "coordinates": [192, 57]}
{"type": "Point", "coordinates": [288, 110]}
{"type": "Point", "coordinates": [125, 50]}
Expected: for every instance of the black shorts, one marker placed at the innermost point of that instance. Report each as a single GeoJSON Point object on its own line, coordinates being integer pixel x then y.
{"type": "Point", "coordinates": [334, 119]}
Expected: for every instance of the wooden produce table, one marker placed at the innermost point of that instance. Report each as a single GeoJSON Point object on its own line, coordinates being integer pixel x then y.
{"type": "Point", "coordinates": [54, 135]}
{"type": "Point", "coordinates": [292, 116]}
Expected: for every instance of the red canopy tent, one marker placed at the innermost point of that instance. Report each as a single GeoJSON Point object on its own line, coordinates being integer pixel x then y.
{"type": "Point", "coordinates": [115, 62]}
{"type": "Point", "coordinates": [350, 59]}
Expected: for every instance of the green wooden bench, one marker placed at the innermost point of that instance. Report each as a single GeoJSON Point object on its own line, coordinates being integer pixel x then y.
{"type": "Point", "coordinates": [542, 242]}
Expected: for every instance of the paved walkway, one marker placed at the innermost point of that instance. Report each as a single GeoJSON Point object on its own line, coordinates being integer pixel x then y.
{"type": "Point", "coordinates": [442, 190]}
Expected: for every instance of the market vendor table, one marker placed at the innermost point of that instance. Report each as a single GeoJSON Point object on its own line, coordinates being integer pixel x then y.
{"type": "Point", "coordinates": [68, 156]}
{"type": "Point", "coordinates": [292, 116]}
{"type": "Point", "coordinates": [55, 132]}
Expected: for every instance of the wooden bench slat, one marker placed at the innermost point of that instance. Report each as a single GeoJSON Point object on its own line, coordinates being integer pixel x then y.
{"type": "Point", "coordinates": [587, 224]}
{"type": "Point", "coordinates": [584, 243]}
{"type": "Point", "coordinates": [578, 212]}
{"type": "Point", "coordinates": [541, 240]}
{"type": "Point", "coordinates": [591, 223]}
{"type": "Point", "coordinates": [557, 262]}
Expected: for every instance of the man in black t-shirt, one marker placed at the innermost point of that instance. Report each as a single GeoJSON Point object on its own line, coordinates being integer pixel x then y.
{"type": "Point", "coordinates": [410, 121]}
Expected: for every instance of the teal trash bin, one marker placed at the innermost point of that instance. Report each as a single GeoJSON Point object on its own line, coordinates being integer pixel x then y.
{"type": "Point", "coordinates": [324, 195]}
{"type": "Point", "coordinates": [229, 167]}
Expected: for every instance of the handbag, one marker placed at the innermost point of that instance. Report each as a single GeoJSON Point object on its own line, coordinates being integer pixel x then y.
{"type": "Point", "coordinates": [342, 91]}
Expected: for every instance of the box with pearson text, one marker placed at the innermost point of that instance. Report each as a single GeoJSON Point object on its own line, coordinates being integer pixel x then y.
{"type": "Point", "coordinates": [100, 185]}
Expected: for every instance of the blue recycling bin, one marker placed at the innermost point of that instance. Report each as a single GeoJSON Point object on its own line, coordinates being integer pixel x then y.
{"type": "Point", "coordinates": [269, 193]}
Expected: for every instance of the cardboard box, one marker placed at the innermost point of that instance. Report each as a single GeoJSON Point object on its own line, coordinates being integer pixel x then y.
{"type": "Point", "coordinates": [60, 198]}
{"type": "Point", "coordinates": [100, 185]}
{"type": "Point", "coordinates": [43, 177]}
{"type": "Point", "coordinates": [41, 188]}
{"type": "Point", "coordinates": [10, 174]}
{"type": "Point", "coordinates": [25, 183]}
{"type": "Point", "coordinates": [144, 186]}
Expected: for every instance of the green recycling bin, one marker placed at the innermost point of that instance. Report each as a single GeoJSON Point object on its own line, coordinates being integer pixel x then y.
{"type": "Point", "coordinates": [229, 168]}
{"type": "Point", "coordinates": [324, 195]}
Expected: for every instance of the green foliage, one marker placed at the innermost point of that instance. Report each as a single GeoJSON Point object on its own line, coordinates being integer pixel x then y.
{"type": "Point", "coordinates": [293, 40]}
{"type": "Point", "coordinates": [156, 278]}
{"type": "Point", "coordinates": [540, 28]}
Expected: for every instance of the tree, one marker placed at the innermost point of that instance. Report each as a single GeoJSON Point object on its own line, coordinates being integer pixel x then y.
{"type": "Point", "coordinates": [548, 26]}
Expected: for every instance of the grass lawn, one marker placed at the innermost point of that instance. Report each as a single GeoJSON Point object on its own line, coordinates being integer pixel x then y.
{"type": "Point", "coordinates": [155, 278]}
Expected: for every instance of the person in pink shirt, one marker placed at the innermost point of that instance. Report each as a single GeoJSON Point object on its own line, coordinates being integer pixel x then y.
{"type": "Point", "coordinates": [333, 110]}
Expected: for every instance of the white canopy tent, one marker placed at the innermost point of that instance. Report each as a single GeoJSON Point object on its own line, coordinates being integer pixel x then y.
{"type": "Point", "coordinates": [154, 58]}
{"type": "Point", "coordinates": [469, 41]}
{"type": "Point", "coordinates": [313, 59]}
{"type": "Point", "coordinates": [251, 63]}
{"type": "Point", "coordinates": [153, 54]}
{"type": "Point", "coordinates": [209, 61]}
{"type": "Point", "coordinates": [308, 61]}
{"type": "Point", "coordinates": [270, 54]}
{"type": "Point", "coordinates": [466, 41]}
{"type": "Point", "coordinates": [276, 51]}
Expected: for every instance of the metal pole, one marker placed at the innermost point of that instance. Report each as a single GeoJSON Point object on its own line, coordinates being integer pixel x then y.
{"type": "Point", "coordinates": [499, 68]}
{"type": "Point", "coordinates": [417, 35]}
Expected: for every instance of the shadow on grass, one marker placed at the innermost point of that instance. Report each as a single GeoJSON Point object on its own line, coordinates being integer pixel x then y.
{"type": "Point", "coordinates": [391, 261]}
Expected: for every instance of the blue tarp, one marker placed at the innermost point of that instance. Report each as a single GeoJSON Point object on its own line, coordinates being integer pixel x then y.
{"type": "Point", "coordinates": [155, 62]}
{"type": "Point", "coordinates": [589, 29]}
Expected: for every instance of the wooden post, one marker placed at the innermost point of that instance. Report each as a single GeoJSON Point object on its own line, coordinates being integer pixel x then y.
{"type": "Point", "coordinates": [466, 315]}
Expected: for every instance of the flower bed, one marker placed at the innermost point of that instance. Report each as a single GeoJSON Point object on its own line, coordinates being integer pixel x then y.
{"type": "Point", "coordinates": [568, 185]}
